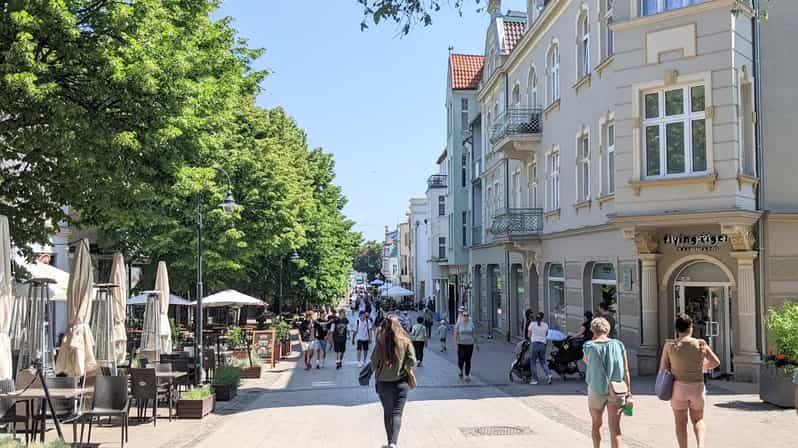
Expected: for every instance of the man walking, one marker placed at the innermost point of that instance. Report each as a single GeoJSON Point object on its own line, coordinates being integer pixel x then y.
{"type": "Point", "coordinates": [362, 337]}
{"type": "Point", "coordinates": [340, 336]}
{"type": "Point", "coordinates": [429, 320]}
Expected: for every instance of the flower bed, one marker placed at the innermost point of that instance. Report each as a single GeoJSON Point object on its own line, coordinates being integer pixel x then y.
{"type": "Point", "coordinates": [776, 384]}
{"type": "Point", "coordinates": [196, 403]}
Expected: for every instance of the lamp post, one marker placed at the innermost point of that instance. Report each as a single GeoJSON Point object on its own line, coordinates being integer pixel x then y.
{"type": "Point", "coordinates": [227, 205]}
{"type": "Point", "coordinates": [294, 257]}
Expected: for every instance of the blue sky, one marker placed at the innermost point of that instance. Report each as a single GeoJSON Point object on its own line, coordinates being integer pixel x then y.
{"type": "Point", "coordinates": [371, 98]}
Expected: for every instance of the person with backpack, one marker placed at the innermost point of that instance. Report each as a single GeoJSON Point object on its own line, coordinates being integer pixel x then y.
{"type": "Point", "coordinates": [419, 336]}
{"type": "Point", "coordinates": [361, 337]}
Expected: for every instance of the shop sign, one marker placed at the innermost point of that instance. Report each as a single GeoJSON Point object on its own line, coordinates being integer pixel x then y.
{"type": "Point", "coordinates": [705, 242]}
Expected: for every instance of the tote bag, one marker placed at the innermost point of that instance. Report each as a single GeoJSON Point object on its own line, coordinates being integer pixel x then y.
{"type": "Point", "coordinates": [664, 385]}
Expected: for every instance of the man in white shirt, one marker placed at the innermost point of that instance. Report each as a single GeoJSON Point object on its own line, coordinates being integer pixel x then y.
{"type": "Point", "coordinates": [362, 337]}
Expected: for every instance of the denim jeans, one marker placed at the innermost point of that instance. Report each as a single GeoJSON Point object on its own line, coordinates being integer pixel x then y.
{"type": "Point", "coordinates": [538, 354]}
{"type": "Point", "coordinates": [393, 395]}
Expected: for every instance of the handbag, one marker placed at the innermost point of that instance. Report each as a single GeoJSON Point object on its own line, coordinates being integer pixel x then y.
{"type": "Point", "coordinates": [664, 385]}
{"type": "Point", "coordinates": [365, 374]}
{"type": "Point", "coordinates": [617, 388]}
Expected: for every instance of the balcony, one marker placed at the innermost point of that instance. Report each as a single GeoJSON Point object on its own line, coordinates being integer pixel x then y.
{"type": "Point", "coordinates": [511, 223]}
{"type": "Point", "coordinates": [516, 133]}
{"type": "Point", "coordinates": [436, 181]}
{"type": "Point", "coordinates": [476, 235]}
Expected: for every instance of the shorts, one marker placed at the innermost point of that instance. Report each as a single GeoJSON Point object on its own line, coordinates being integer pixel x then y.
{"type": "Point", "coordinates": [688, 396]}
{"type": "Point", "coordinates": [363, 345]}
{"type": "Point", "coordinates": [305, 346]}
{"type": "Point", "coordinates": [317, 345]}
{"type": "Point", "coordinates": [339, 345]}
{"type": "Point", "coordinates": [599, 401]}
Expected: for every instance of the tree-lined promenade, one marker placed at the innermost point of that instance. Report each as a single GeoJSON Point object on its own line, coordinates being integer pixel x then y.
{"type": "Point", "coordinates": [124, 111]}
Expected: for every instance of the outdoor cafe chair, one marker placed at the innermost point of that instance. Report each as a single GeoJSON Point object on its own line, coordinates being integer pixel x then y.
{"type": "Point", "coordinates": [110, 400]}
{"type": "Point", "coordinates": [181, 365]}
{"type": "Point", "coordinates": [8, 409]}
{"type": "Point", "coordinates": [145, 387]}
{"type": "Point", "coordinates": [209, 363]}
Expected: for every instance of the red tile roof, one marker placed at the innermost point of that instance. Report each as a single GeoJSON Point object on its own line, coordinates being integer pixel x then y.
{"type": "Point", "coordinates": [513, 32]}
{"type": "Point", "coordinates": [466, 70]}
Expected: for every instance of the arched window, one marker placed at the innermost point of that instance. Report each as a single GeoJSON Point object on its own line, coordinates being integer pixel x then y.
{"type": "Point", "coordinates": [603, 283]}
{"type": "Point", "coordinates": [533, 88]}
{"type": "Point", "coordinates": [554, 74]}
{"type": "Point", "coordinates": [556, 293]}
{"type": "Point", "coordinates": [516, 95]}
{"type": "Point", "coordinates": [583, 44]}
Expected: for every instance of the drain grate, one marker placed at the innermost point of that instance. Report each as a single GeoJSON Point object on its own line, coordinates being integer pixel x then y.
{"type": "Point", "coordinates": [487, 431]}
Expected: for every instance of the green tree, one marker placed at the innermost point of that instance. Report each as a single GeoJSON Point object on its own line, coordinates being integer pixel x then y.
{"type": "Point", "coordinates": [409, 13]}
{"type": "Point", "coordinates": [369, 259]}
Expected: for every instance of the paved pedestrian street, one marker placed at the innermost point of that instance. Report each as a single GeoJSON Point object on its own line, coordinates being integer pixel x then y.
{"type": "Point", "coordinates": [293, 407]}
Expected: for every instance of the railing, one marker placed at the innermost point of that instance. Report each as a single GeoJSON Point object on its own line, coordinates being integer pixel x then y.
{"type": "Point", "coordinates": [436, 181]}
{"type": "Point", "coordinates": [476, 235]}
{"type": "Point", "coordinates": [517, 221]}
{"type": "Point", "coordinates": [517, 121]}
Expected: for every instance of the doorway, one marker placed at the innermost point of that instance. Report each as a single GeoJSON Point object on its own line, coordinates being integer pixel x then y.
{"type": "Point", "coordinates": [709, 306]}
{"type": "Point", "coordinates": [452, 305]}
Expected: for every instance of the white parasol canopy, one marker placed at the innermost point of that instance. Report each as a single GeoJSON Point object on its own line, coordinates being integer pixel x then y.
{"type": "Point", "coordinates": [119, 278]}
{"type": "Point", "coordinates": [58, 290]}
{"type": "Point", "coordinates": [76, 356]}
{"type": "Point", "coordinates": [397, 291]}
{"type": "Point", "coordinates": [230, 297]}
{"type": "Point", "coordinates": [162, 286]}
{"type": "Point", "coordinates": [376, 282]}
{"type": "Point", "coordinates": [141, 299]}
{"type": "Point", "coordinates": [6, 364]}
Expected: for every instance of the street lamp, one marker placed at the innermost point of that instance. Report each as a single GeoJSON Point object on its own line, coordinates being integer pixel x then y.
{"type": "Point", "coordinates": [294, 257]}
{"type": "Point", "coordinates": [228, 205]}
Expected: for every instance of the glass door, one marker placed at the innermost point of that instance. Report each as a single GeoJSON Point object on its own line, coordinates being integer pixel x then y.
{"type": "Point", "coordinates": [708, 306]}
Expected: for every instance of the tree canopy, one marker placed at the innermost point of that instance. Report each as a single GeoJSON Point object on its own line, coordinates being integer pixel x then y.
{"type": "Point", "coordinates": [369, 259]}
{"type": "Point", "coordinates": [124, 111]}
{"type": "Point", "coordinates": [409, 13]}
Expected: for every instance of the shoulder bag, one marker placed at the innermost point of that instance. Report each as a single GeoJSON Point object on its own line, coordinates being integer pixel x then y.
{"type": "Point", "coordinates": [617, 388]}
{"type": "Point", "coordinates": [663, 387]}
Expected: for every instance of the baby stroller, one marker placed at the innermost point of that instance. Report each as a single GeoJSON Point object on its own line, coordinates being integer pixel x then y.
{"type": "Point", "coordinates": [565, 357]}
{"type": "Point", "coordinates": [519, 368]}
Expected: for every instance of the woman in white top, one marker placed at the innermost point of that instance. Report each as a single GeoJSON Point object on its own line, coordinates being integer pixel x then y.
{"type": "Point", "coordinates": [537, 332]}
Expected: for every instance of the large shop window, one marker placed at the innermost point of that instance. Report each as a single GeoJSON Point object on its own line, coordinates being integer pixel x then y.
{"type": "Point", "coordinates": [604, 286]}
{"type": "Point", "coordinates": [649, 7]}
{"type": "Point", "coordinates": [674, 132]}
{"type": "Point", "coordinates": [557, 297]}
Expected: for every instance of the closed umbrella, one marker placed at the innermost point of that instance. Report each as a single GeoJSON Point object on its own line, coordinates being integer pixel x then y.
{"type": "Point", "coordinates": [119, 278]}
{"type": "Point", "coordinates": [162, 286]}
{"type": "Point", "coordinates": [6, 298]}
{"type": "Point", "coordinates": [76, 355]}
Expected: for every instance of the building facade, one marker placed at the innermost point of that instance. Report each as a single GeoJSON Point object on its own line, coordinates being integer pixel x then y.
{"type": "Point", "coordinates": [618, 162]}
{"type": "Point", "coordinates": [419, 248]}
{"type": "Point", "coordinates": [405, 280]}
{"type": "Point", "coordinates": [438, 207]}
{"type": "Point", "coordinates": [390, 257]}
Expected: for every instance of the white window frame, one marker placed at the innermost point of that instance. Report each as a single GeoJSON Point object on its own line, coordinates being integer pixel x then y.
{"type": "Point", "coordinates": [553, 62]}
{"type": "Point", "coordinates": [687, 117]}
{"type": "Point", "coordinates": [532, 178]}
{"type": "Point", "coordinates": [665, 5]}
{"type": "Point", "coordinates": [533, 88]}
{"type": "Point", "coordinates": [583, 44]}
{"type": "Point", "coordinates": [441, 247]}
{"type": "Point", "coordinates": [609, 37]}
{"type": "Point", "coordinates": [583, 167]}
{"type": "Point", "coordinates": [515, 96]}
{"type": "Point", "coordinates": [441, 205]}
{"type": "Point", "coordinates": [464, 122]}
{"type": "Point", "coordinates": [553, 168]}
{"type": "Point", "coordinates": [610, 159]}
{"type": "Point", "coordinates": [549, 280]}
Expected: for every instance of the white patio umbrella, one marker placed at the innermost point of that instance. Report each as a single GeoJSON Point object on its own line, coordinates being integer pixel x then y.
{"type": "Point", "coordinates": [376, 282]}
{"type": "Point", "coordinates": [58, 290]}
{"type": "Point", "coordinates": [397, 291]}
{"type": "Point", "coordinates": [76, 356]}
{"type": "Point", "coordinates": [162, 285]}
{"type": "Point", "coordinates": [230, 297]}
{"type": "Point", "coordinates": [6, 299]}
{"type": "Point", "coordinates": [119, 278]}
{"type": "Point", "coordinates": [141, 299]}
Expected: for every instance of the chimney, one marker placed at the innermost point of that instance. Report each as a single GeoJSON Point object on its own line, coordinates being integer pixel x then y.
{"type": "Point", "coordinates": [494, 6]}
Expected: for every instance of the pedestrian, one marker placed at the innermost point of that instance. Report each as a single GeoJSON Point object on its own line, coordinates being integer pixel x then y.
{"type": "Point", "coordinates": [419, 337]}
{"type": "Point", "coordinates": [465, 340]}
{"type": "Point", "coordinates": [608, 381]}
{"type": "Point", "coordinates": [379, 318]}
{"type": "Point", "coordinates": [537, 332]}
{"type": "Point", "coordinates": [393, 357]}
{"type": "Point", "coordinates": [362, 337]}
{"type": "Point", "coordinates": [320, 329]}
{"type": "Point", "coordinates": [529, 316]}
{"type": "Point", "coordinates": [687, 357]}
{"type": "Point", "coordinates": [584, 332]}
{"type": "Point", "coordinates": [340, 336]}
{"type": "Point", "coordinates": [443, 331]}
{"type": "Point", "coordinates": [429, 320]}
{"type": "Point", "coordinates": [604, 311]}
{"type": "Point", "coordinates": [306, 338]}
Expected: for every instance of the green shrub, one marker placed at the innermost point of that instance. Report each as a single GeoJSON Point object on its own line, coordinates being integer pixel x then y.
{"type": "Point", "coordinates": [227, 376]}
{"type": "Point", "coordinates": [235, 337]}
{"type": "Point", "coordinates": [9, 442]}
{"type": "Point", "coordinates": [283, 331]}
{"type": "Point", "coordinates": [197, 393]}
{"type": "Point", "coordinates": [782, 324]}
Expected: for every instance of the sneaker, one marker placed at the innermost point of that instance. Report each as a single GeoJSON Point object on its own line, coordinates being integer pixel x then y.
{"type": "Point", "coordinates": [548, 380]}
{"type": "Point", "coordinates": [460, 374]}
{"type": "Point", "coordinates": [533, 382]}
{"type": "Point", "coordinates": [420, 364]}
{"type": "Point", "coordinates": [468, 378]}
{"type": "Point", "coordinates": [318, 366]}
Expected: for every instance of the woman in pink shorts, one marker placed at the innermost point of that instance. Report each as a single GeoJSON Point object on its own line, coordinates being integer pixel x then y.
{"type": "Point", "coordinates": [687, 358]}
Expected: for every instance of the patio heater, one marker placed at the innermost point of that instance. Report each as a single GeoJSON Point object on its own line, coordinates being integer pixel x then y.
{"type": "Point", "coordinates": [151, 331]}
{"type": "Point", "coordinates": [37, 334]}
{"type": "Point", "coordinates": [102, 325]}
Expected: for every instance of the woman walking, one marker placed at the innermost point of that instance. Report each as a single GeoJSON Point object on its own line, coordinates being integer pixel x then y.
{"type": "Point", "coordinates": [392, 357]}
{"type": "Point", "coordinates": [465, 340]}
{"type": "Point", "coordinates": [419, 337]}
{"type": "Point", "coordinates": [537, 332]}
{"type": "Point", "coordinates": [607, 365]}
{"type": "Point", "coordinates": [687, 358]}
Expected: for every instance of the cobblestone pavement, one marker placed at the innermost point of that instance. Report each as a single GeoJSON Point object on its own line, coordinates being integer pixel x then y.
{"type": "Point", "coordinates": [326, 407]}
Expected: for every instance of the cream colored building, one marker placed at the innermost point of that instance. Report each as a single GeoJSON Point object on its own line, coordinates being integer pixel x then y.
{"type": "Point", "coordinates": [619, 164]}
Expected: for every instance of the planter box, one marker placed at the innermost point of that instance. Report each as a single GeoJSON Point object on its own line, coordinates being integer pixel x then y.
{"type": "Point", "coordinates": [239, 354]}
{"type": "Point", "coordinates": [776, 387]}
{"type": "Point", "coordinates": [225, 392]}
{"type": "Point", "coordinates": [251, 372]}
{"type": "Point", "coordinates": [195, 408]}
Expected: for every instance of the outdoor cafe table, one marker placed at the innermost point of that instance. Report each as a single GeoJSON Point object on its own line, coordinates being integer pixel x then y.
{"type": "Point", "coordinates": [170, 377]}
{"type": "Point", "coordinates": [33, 393]}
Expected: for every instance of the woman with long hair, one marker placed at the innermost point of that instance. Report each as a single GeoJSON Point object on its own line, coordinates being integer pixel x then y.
{"type": "Point", "coordinates": [392, 358]}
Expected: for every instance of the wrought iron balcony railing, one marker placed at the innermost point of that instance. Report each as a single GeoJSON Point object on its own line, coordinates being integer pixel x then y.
{"type": "Point", "coordinates": [436, 181]}
{"type": "Point", "coordinates": [517, 221]}
{"type": "Point", "coordinates": [516, 121]}
{"type": "Point", "coordinates": [476, 235]}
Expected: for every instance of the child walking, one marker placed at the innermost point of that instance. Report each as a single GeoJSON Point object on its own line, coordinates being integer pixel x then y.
{"type": "Point", "coordinates": [443, 329]}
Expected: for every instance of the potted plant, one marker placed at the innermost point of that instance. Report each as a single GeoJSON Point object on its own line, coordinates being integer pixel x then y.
{"type": "Point", "coordinates": [226, 381]}
{"type": "Point", "coordinates": [250, 368]}
{"type": "Point", "coordinates": [196, 403]}
{"type": "Point", "coordinates": [776, 374]}
{"type": "Point", "coordinates": [283, 334]}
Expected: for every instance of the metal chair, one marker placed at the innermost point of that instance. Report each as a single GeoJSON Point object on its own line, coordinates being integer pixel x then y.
{"type": "Point", "coordinates": [181, 365]}
{"type": "Point", "coordinates": [110, 400]}
{"type": "Point", "coordinates": [145, 387]}
{"type": "Point", "coordinates": [209, 363]}
{"type": "Point", "coordinates": [8, 410]}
